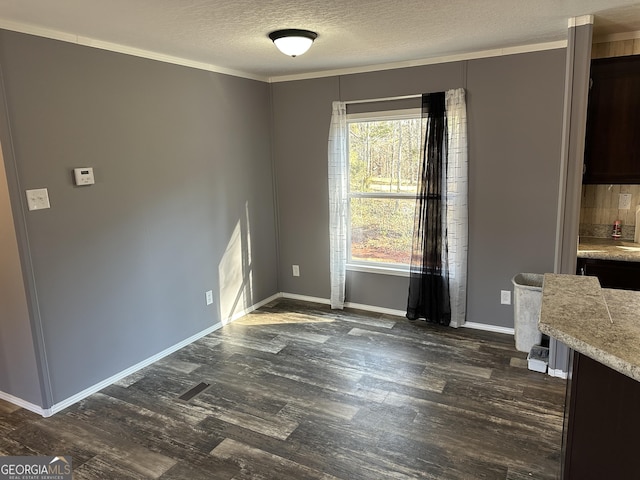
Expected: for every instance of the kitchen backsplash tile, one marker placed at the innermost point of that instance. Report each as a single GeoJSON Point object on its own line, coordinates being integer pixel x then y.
{"type": "Point", "coordinates": [599, 209]}
{"type": "Point", "coordinates": [604, 231]}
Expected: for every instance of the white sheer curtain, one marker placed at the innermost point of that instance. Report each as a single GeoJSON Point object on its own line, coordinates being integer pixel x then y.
{"type": "Point", "coordinates": [457, 203]}
{"type": "Point", "coordinates": [338, 175]}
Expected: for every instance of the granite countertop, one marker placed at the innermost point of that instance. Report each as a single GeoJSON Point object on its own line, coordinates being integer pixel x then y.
{"type": "Point", "coordinates": [600, 323]}
{"type": "Point", "coordinates": [608, 249]}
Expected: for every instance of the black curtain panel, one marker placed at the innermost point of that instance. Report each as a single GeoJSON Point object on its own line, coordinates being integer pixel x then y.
{"type": "Point", "coordinates": [429, 276]}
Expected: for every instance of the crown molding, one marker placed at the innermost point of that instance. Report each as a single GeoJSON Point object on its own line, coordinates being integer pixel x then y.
{"type": "Point", "coordinates": [616, 37]}
{"type": "Point", "coordinates": [427, 61]}
{"type": "Point", "coordinates": [580, 21]}
{"type": "Point", "coordinates": [161, 57]}
{"type": "Point", "coordinates": [125, 49]}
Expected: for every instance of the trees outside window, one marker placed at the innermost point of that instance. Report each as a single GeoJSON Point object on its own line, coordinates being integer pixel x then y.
{"type": "Point", "coordinates": [384, 167]}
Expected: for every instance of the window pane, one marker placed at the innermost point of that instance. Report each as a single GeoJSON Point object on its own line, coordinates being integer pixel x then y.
{"type": "Point", "coordinates": [384, 155]}
{"type": "Point", "coordinates": [381, 229]}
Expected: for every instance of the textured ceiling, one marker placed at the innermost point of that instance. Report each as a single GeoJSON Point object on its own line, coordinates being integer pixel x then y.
{"type": "Point", "coordinates": [232, 35]}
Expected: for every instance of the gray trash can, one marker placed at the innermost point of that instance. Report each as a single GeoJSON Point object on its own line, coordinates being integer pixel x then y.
{"type": "Point", "coordinates": [527, 302]}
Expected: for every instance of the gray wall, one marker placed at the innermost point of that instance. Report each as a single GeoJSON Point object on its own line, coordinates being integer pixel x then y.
{"type": "Point", "coordinates": [18, 369]}
{"type": "Point", "coordinates": [515, 109]}
{"type": "Point", "coordinates": [183, 201]}
{"type": "Point", "coordinates": [515, 127]}
{"type": "Point", "coordinates": [301, 113]}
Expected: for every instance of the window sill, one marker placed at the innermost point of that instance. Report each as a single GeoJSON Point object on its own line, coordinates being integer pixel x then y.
{"type": "Point", "coordinates": [384, 270]}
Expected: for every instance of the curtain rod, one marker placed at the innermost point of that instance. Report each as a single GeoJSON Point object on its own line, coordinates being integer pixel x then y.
{"type": "Point", "coordinates": [385, 99]}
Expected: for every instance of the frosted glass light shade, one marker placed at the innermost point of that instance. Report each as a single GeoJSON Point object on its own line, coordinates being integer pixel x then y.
{"type": "Point", "coordinates": [293, 42]}
{"type": "Point", "coordinates": [293, 46]}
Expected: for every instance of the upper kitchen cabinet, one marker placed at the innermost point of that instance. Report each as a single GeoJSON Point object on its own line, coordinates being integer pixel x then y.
{"type": "Point", "coordinates": [612, 144]}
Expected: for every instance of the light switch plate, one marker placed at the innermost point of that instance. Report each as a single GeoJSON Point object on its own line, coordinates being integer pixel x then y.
{"type": "Point", "coordinates": [209, 296]}
{"type": "Point", "coordinates": [38, 199]}
{"type": "Point", "coordinates": [624, 203]}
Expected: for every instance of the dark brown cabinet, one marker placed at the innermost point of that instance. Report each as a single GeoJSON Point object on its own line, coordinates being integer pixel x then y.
{"type": "Point", "coordinates": [611, 273]}
{"type": "Point", "coordinates": [603, 421]}
{"type": "Point", "coordinates": [612, 142]}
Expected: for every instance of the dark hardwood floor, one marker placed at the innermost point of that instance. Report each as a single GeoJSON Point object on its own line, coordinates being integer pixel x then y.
{"type": "Point", "coordinates": [297, 391]}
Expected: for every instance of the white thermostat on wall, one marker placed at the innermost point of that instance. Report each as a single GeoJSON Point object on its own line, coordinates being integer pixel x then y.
{"type": "Point", "coordinates": [84, 176]}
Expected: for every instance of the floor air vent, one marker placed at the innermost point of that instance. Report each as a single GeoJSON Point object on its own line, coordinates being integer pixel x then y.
{"type": "Point", "coordinates": [197, 390]}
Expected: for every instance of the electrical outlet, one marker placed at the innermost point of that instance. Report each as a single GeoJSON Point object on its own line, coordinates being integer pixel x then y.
{"type": "Point", "coordinates": [296, 270]}
{"type": "Point", "coordinates": [505, 297]}
{"type": "Point", "coordinates": [209, 296]}
{"type": "Point", "coordinates": [624, 202]}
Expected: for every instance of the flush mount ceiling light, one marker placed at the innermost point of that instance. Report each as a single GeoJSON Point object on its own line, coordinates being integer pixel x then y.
{"type": "Point", "coordinates": [293, 42]}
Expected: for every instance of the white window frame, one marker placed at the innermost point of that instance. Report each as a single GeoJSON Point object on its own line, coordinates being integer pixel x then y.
{"type": "Point", "coordinates": [396, 269]}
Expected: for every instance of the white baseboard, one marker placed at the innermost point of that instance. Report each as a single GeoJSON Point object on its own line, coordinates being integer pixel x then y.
{"type": "Point", "coordinates": [47, 412]}
{"type": "Point", "coordinates": [138, 366]}
{"type": "Point", "coordinates": [375, 309]}
{"type": "Point", "coordinates": [558, 373]}
{"type": "Point", "coordinates": [252, 308]}
{"type": "Point", "coordinates": [397, 313]}
{"type": "Point", "coordinates": [23, 403]}
{"type": "Point", "coordinates": [305, 298]}
{"type": "Point", "coordinates": [488, 328]}
{"type": "Point", "coordinates": [134, 368]}
{"type": "Point", "coordinates": [357, 306]}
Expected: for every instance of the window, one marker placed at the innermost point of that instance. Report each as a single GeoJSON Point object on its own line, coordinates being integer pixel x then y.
{"type": "Point", "coordinates": [384, 153]}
